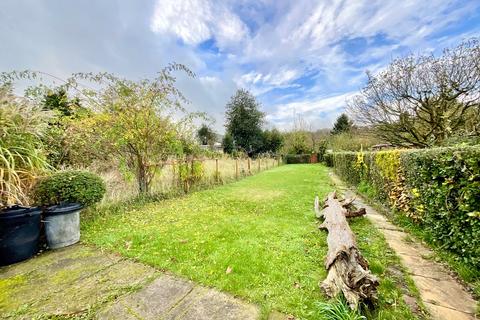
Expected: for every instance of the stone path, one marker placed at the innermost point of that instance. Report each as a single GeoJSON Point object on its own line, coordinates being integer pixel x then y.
{"type": "Point", "coordinates": [442, 295]}
{"type": "Point", "coordinates": [80, 281]}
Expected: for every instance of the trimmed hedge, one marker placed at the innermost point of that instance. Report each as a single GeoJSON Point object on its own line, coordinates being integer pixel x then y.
{"type": "Point", "coordinates": [439, 189]}
{"type": "Point", "coordinates": [69, 186]}
{"type": "Point", "coordinates": [328, 159]}
{"type": "Point", "coordinates": [296, 158]}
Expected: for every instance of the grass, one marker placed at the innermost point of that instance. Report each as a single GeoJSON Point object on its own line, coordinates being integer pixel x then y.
{"type": "Point", "coordinates": [256, 238]}
{"type": "Point", "coordinates": [339, 310]}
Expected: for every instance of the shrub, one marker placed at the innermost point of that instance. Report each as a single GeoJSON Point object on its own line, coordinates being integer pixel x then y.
{"type": "Point", "coordinates": [297, 158]}
{"type": "Point", "coordinates": [191, 172]}
{"type": "Point", "coordinates": [70, 186]}
{"type": "Point", "coordinates": [322, 149]}
{"type": "Point", "coordinates": [438, 189]}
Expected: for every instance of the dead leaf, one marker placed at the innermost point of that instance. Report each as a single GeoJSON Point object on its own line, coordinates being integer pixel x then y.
{"type": "Point", "coordinates": [128, 244]}
{"type": "Point", "coordinates": [229, 270]}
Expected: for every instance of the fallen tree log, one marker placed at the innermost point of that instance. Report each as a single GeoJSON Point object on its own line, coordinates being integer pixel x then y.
{"type": "Point", "coordinates": [347, 270]}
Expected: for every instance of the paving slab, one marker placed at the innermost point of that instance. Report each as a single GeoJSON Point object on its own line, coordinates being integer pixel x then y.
{"type": "Point", "coordinates": [444, 297]}
{"type": "Point", "coordinates": [68, 281]}
{"type": "Point", "coordinates": [439, 312]}
{"type": "Point", "coordinates": [215, 305]}
{"type": "Point", "coordinates": [85, 282]}
{"type": "Point", "coordinates": [171, 298]}
{"type": "Point", "coordinates": [152, 302]}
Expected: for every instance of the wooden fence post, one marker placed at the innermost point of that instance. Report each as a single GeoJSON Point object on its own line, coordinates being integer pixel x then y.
{"type": "Point", "coordinates": [236, 168]}
{"type": "Point", "coordinates": [259, 165]}
{"type": "Point", "coordinates": [248, 164]}
{"type": "Point", "coordinates": [186, 186]}
{"type": "Point", "coordinates": [217, 174]}
{"type": "Point", "coordinates": [174, 176]}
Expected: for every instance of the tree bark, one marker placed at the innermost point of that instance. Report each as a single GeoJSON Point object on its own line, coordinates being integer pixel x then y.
{"type": "Point", "coordinates": [142, 178]}
{"type": "Point", "coordinates": [347, 270]}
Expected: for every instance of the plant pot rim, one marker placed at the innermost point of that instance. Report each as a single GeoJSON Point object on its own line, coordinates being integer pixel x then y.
{"type": "Point", "coordinates": [18, 211]}
{"type": "Point", "coordinates": [64, 208]}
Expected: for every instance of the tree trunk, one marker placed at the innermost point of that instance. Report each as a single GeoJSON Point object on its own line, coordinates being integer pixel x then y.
{"type": "Point", "coordinates": [347, 270]}
{"type": "Point", "coordinates": [142, 179]}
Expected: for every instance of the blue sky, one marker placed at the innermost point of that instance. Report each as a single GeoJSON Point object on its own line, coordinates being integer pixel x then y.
{"type": "Point", "coordinates": [300, 58]}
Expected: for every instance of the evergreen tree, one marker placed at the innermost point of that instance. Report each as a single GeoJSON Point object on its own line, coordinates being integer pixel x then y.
{"type": "Point", "coordinates": [342, 124]}
{"type": "Point", "coordinates": [58, 101]}
{"type": "Point", "coordinates": [244, 122]}
{"type": "Point", "coordinates": [272, 141]}
{"type": "Point", "coordinates": [56, 138]}
{"type": "Point", "coordinates": [206, 135]}
{"type": "Point", "coordinates": [228, 144]}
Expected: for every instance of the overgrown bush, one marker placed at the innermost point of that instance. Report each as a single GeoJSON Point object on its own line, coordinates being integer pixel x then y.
{"type": "Point", "coordinates": [297, 158]}
{"type": "Point", "coordinates": [190, 172]}
{"type": "Point", "coordinates": [69, 186]}
{"type": "Point", "coordinates": [439, 189]}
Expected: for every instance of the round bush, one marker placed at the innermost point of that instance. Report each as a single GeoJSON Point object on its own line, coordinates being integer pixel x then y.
{"type": "Point", "coordinates": [69, 186]}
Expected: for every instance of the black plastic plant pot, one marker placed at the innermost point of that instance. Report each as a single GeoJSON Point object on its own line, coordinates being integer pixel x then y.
{"type": "Point", "coordinates": [62, 225]}
{"type": "Point", "coordinates": [19, 233]}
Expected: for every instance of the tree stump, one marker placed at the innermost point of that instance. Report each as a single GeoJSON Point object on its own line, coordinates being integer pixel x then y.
{"type": "Point", "coordinates": [347, 270]}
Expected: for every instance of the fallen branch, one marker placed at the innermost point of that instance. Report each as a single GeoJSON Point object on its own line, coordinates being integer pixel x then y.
{"type": "Point", "coordinates": [347, 270]}
{"type": "Point", "coordinates": [346, 203]}
{"type": "Point", "coordinates": [356, 213]}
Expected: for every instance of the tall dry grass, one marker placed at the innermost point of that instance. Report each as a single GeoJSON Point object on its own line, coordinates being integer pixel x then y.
{"type": "Point", "coordinates": [22, 124]}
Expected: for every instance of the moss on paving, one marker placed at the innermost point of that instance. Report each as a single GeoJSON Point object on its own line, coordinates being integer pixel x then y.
{"type": "Point", "coordinates": [67, 283]}
{"type": "Point", "coordinates": [256, 238]}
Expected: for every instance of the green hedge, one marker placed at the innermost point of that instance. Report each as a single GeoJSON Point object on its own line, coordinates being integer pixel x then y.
{"type": "Point", "coordinates": [439, 189]}
{"type": "Point", "coordinates": [328, 159]}
{"type": "Point", "coordinates": [296, 158]}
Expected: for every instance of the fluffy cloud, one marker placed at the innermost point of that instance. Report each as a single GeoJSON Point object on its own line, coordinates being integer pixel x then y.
{"type": "Point", "coordinates": [319, 113]}
{"type": "Point", "coordinates": [312, 34]}
{"type": "Point", "coordinates": [195, 21]}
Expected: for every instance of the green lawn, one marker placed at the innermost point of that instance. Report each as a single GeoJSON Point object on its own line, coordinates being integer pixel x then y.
{"type": "Point", "coordinates": [261, 228]}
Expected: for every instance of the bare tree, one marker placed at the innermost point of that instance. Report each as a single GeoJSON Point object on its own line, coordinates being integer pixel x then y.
{"type": "Point", "coordinates": [422, 100]}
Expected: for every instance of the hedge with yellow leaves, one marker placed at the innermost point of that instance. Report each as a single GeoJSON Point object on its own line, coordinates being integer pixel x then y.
{"type": "Point", "coordinates": [439, 189]}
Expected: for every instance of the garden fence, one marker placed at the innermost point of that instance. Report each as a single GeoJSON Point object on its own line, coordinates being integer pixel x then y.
{"type": "Point", "coordinates": [175, 175]}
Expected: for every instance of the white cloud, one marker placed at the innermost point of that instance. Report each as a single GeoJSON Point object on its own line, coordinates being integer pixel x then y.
{"type": "Point", "coordinates": [308, 33]}
{"type": "Point", "coordinates": [311, 111]}
{"type": "Point", "coordinates": [260, 83]}
{"type": "Point", "coordinates": [186, 19]}
{"type": "Point", "coordinates": [195, 21]}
